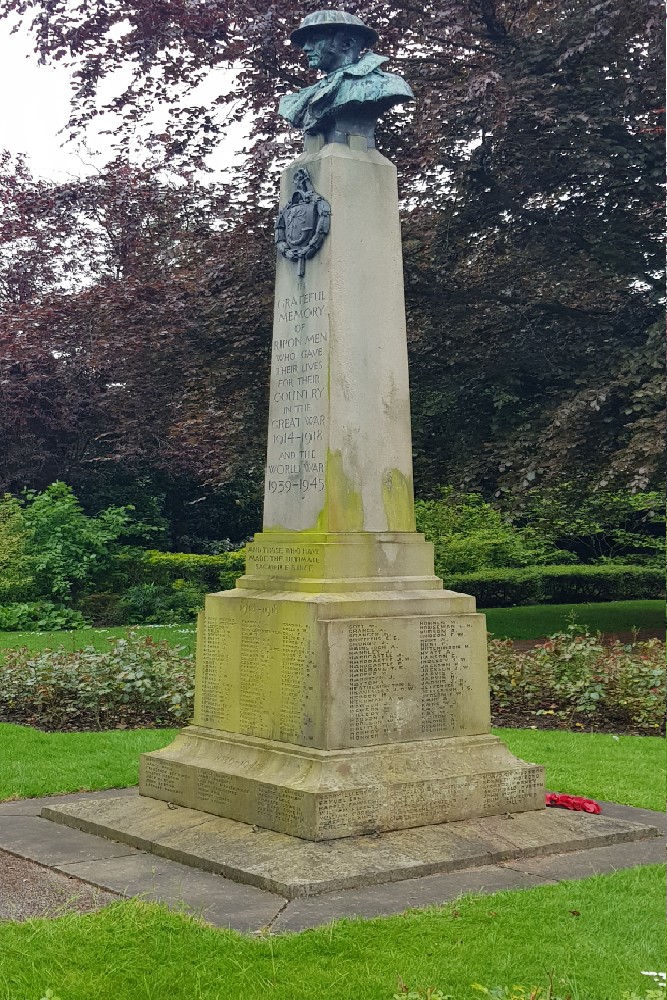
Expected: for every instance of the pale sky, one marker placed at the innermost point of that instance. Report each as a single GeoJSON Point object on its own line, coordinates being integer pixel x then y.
{"type": "Point", "coordinates": [36, 106]}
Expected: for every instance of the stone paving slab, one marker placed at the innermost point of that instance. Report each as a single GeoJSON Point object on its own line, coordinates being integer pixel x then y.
{"type": "Point", "coordinates": [396, 897]}
{"type": "Point", "coordinates": [596, 861]}
{"type": "Point", "coordinates": [225, 903]}
{"type": "Point", "coordinates": [211, 897]}
{"type": "Point", "coordinates": [35, 838]}
{"type": "Point", "coordinates": [293, 868]}
{"type": "Point", "coordinates": [637, 815]}
{"type": "Point", "coordinates": [33, 807]}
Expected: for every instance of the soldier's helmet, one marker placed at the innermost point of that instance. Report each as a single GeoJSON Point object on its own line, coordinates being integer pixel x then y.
{"type": "Point", "coordinates": [333, 19]}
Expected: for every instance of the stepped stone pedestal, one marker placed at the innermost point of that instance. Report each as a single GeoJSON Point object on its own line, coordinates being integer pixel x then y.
{"type": "Point", "coordinates": [339, 689]}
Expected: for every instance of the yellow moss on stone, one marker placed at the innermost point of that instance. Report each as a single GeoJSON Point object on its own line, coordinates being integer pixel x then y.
{"type": "Point", "coordinates": [343, 507]}
{"type": "Point", "coordinates": [398, 501]}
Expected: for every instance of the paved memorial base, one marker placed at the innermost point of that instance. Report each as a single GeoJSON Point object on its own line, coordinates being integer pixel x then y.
{"type": "Point", "coordinates": [327, 715]}
{"type": "Point", "coordinates": [325, 794]}
{"type": "Point", "coordinates": [293, 868]}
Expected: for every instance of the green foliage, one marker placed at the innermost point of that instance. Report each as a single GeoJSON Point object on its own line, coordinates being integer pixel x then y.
{"type": "Point", "coordinates": [599, 524]}
{"type": "Point", "coordinates": [559, 585]}
{"type": "Point", "coordinates": [469, 534]}
{"type": "Point", "coordinates": [101, 609]}
{"type": "Point", "coordinates": [62, 551]}
{"type": "Point", "coordinates": [153, 603]}
{"type": "Point", "coordinates": [15, 577]}
{"type": "Point", "coordinates": [38, 616]}
{"type": "Point", "coordinates": [516, 992]}
{"type": "Point", "coordinates": [137, 681]}
{"type": "Point", "coordinates": [573, 676]}
{"type": "Point", "coordinates": [210, 573]}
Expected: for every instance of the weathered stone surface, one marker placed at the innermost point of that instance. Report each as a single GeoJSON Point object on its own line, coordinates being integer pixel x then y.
{"type": "Point", "coordinates": [320, 795]}
{"type": "Point", "coordinates": [339, 455]}
{"type": "Point", "coordinates": [322, 562]}
{"type": "Point", "coordinates": [339, 688]}
{"type": "Point", "coordinates": [292, 867]}
{"type": "Point", "coordinates": [217, 900]}
{"type": "Point", "coordinates": [291, 667]}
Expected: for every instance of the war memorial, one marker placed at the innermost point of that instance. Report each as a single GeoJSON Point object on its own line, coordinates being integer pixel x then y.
{"type": "Point", "coordinates": [341, 692]}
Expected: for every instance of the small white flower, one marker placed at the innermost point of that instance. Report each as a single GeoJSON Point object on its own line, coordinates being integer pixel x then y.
{"type": "Point", "coordinates": [659, 977]}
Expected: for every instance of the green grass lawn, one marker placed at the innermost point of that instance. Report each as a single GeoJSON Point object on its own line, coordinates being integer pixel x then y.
{"type": "Point", "coordinates": [629, 769]}
{"type": "Point", "coordinates": [36, 763]}
{"type": "Point", "coordinates": [625, 769]}
{"type": "Point", "coordinates": [531, 622]}
{"type": "Point", "coordinates": [597, 934]}
{"type": "Point", "coordinates": [539, 620]}
{"type": "Point", "coordinates": [176, 635]}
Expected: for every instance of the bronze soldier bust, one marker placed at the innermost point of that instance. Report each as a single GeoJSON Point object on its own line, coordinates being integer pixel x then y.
{"type": "Point", "coordinates": [355, 92]}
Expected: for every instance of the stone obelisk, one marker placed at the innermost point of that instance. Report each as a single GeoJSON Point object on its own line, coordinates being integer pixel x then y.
{"type": "Point", "coordinates": [339, 689]}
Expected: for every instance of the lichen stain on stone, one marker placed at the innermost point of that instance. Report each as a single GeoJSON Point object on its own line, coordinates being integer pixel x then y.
{"type": "Point", "coordinates": [398, 500]}
{"type": "Point", "coordinates": [343, 509]}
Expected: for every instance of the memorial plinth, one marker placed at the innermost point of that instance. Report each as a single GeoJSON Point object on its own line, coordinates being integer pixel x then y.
{"type": "Point", "coordinates": [339, 689]}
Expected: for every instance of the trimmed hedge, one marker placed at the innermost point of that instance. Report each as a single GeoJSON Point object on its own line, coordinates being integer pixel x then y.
{"type": "Point", "coordinates": [211, 573]}
{"type": "Point", "coordinates": [502, 588]}
{"type": "Point", "coordinates": [493, 588]}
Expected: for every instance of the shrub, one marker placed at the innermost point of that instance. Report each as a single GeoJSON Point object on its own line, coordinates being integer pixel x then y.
{"type": "Point", "coordinates": [101, 609]}
{"type": "Point", "coordinates": [152, 603]}
{"type": "Point", "coordinates": [39, 616]}
{"type": "Point", "coordinates": [15, 579]}
{"type": "Point", "coordinates": [599, 524]}
{"type": "Point", "coordinates": [469, 534]}
{"type": "Point", "coordinates": [61, 551]}
{"type": "Point", "coordinates": [138, 681]}
{"type": "Point", "coordinates": [559, 585]}
{"type": "Point", "coordinates": [573, 676]}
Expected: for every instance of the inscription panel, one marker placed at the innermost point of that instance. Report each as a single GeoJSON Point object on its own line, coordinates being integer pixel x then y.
{"type": "Point", "coordinates": [444, 656]}
{"type": "Point", "coordinates": [378, 679]}
{"type": "Point", "coordinates": [300, 708]}
{"type": "Point", "coordinates": [407, 678]}
{"type": "Point", "coordinates": [222, 793]}
{"type": "Point", "coordinates": [259, 661]}
{"type": "Point", "coordinates": [162, 778]}
{"type": "Point", "coordinates": [284, 560]}
{"type": "Point", "coordinates": [285, 807]}
{"type": "Point", "coordinates": [258, 671]}
{"type": "Point", "coordinates": [522, 786]}
{"type": "Point", "coordinates": [298, 407]}
{"type": "Point", "coordinates": [217, 676]}
{"type": "Point", "coordinates": [343, 810]}
{"type": "Point", "coordinates": [418, 804]}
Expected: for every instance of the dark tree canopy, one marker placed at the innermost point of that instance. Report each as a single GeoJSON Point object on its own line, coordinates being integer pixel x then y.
{"type": "Point", "coordinates": [136, 329]}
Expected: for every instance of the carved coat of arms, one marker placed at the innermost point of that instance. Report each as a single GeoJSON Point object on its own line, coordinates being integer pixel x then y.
{"type": "Point", "coordinates": [303, 224]}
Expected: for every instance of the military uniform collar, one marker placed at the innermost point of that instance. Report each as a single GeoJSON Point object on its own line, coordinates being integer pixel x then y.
{"type": "Point", "coordinates": [366, 64]}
